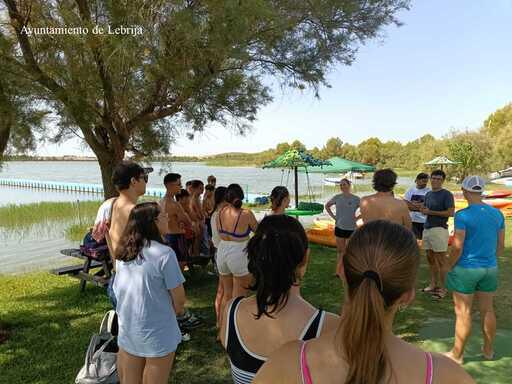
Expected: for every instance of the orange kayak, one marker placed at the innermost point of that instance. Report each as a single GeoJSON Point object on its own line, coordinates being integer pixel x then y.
{"type": "Point", "coordinates": [496, 203]}
{"type": "Point", "coordinates": [322, 232]}
{"type": "Point", "coordinates": [497, 194]}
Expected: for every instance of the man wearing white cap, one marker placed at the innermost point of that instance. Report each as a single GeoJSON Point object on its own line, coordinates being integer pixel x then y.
{"type": "Point", "coordinates": [479, 240]}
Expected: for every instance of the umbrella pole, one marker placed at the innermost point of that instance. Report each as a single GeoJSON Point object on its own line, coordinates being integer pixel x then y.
{"type": "Point", "coordinates": [296, 187]}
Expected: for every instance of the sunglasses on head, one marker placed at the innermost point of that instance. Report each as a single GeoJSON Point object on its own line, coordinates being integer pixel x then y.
{"type": "Point", "coordinates": [145, 177]}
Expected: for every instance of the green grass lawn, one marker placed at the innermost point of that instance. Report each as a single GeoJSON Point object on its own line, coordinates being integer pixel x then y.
{"type": "Point", "coordinates": [21, 216]}
{"type": "Point", "coordinates": [50, 324]}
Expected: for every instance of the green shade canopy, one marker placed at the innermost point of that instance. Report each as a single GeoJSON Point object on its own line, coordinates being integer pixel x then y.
{"type": "Point", "coordinates": [295, 158]}
{"type": "Point", "coordinates": [340, 165]}
{"type": "Point", "coordinates": [441, 160]}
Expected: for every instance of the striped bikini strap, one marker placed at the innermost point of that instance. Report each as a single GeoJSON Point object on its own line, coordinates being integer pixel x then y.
{"type": "Point", "coordinates": [304, 369]}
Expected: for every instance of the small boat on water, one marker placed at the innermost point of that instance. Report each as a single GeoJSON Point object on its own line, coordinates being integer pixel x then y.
{"type": "Point", "coordinates": [332, 180]}
{"type": "Point", "coordinates": [503, 180]}
{"type": "Point", "coordinates": [502, 177]}
{"type": "Point", "coordinates": [348, 175]}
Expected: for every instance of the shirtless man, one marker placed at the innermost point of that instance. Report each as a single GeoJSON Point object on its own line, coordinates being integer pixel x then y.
{"type": "Point", "coordinates": [383, 205]}
{"type": "Point", "coordinates": [197, 215]}
{"type": "Point", "coordinates": [130, 180]}
{"type": "Point", "coordinates": [178, 218]}
{"type": "Point", "coordinates": [183, 199]}
{"type": "Point", "coordinates": [188, 186]}
{"type": "Point", "coordinates": [211, 180]}
{"type": "Point", "coordinates": [208, 205]}
{"type": "Point", "coordinates": [208, 200]}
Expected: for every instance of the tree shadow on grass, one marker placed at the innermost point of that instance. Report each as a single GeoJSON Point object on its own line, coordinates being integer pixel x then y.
{"type": "Point", "coordinates": [51, 331]}
{"type": "Point", "coordinates": [438, 336]}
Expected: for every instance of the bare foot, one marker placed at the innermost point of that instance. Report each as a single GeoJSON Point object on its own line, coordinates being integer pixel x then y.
{"type": "Point", "coordinates": [488, 356]}
{"type": "Point", "coordinates": [450, 355]}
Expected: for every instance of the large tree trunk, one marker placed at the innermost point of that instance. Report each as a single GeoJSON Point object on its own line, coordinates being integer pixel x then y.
{"type": "Point", "coordinates": [107, 164]}
{"type": "Point", "coordinates": [6, 121]}
{"type": "Point", "coordinates": [5, 131]}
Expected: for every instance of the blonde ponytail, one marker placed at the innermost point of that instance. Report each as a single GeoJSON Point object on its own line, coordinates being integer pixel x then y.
{"type": "Point", "coordinates": [362, 328]}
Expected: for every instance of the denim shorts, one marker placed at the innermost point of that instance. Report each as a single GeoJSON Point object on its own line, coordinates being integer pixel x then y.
{"type": "Point", "coordinates": [110, 290]}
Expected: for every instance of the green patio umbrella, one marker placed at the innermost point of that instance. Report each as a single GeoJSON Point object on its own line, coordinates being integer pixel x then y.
{"type": "Point", "coordinates": [295, 159]}
{"type": "Point", "coordinates": [441, 160]}
{"type": "Point", "coordinates": [340, 165]}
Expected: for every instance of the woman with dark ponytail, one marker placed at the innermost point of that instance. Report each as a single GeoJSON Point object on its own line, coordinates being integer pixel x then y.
{"type": "Point", "coordinates": [234, 225]}
{"type": "Point", "coordinates": [256, 326]}
{"type": "Point", "coordinates": [219, 203]}
{"type": "Point", "coordinates": [280, 199]}
{"type": "Point", "coordinates": [380, 267]}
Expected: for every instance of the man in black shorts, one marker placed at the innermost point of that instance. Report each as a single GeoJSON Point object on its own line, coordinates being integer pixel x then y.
{"type": "Point", "coordinates": [178, 219]}
{"type": "Point", "coordinates": [415, 197]}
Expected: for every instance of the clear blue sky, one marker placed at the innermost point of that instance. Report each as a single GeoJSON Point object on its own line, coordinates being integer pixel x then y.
{"type": "Point", "coordinates": [448, 67]}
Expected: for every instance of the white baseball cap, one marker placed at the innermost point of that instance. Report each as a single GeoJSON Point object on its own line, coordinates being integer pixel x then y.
{"type": "Point", "coordinates": [473, 184]}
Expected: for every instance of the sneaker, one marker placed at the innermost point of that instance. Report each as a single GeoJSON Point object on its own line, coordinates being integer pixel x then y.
{"type": "Point", "coordinates": [189, 321]}
{"type": "Point", "coordinates": [185, 336]}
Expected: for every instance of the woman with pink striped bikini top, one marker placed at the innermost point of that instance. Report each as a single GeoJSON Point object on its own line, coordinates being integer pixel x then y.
{"type": "Point", "coordinates": [379, 278]}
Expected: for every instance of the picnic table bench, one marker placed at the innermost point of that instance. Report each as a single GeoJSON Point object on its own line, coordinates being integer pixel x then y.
{"type": "Point", "coordinates": [84, 271]}
{"type": "Point", "coordinates": [102, 276]}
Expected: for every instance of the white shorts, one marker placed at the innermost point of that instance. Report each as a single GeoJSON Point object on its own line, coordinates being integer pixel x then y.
{"type": "Point", "coordinates": [435, 239]}
{"type": "Point", "coordinates": [232, 258]}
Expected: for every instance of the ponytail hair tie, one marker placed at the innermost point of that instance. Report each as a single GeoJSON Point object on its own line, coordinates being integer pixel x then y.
{"type": "Point", "coordinates": [375, 277]}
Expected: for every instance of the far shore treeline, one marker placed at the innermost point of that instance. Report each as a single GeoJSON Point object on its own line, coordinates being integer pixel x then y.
{"type": "Point", "coordinates": [477, 151]}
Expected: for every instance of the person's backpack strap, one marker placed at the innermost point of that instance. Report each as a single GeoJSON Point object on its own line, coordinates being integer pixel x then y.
{"type": "Point", "coordinates": [112, 210]}
{"type": "Point", "coordinates": [109, 323]}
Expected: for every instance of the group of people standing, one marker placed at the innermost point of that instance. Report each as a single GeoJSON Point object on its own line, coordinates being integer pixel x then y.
{"type": "Point", "coordinates": [468, 270]}
{"type": "Point", "coordinates": [151, 244]}
{"type": "Point", "coordinates": [273, 335]}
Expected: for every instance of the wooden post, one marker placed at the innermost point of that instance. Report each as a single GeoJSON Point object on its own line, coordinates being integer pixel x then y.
{"type": "Point", "coordinates": [295, 172]}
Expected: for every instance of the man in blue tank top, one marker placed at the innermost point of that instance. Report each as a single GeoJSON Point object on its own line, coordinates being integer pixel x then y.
{"type": "Point", "coordinates": [479, 240]}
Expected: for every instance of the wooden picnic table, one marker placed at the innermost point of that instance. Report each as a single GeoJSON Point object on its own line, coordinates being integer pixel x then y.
{"type": "Point", "coordinates": [84, 272]}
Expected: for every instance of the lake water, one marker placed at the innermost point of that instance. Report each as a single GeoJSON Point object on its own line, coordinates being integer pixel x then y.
{"type": "Point", "coordinates": [252, 180]}
{"type": "Point", "coordinates": [38, 247]}
{"type": "Point", "coordinates": [34, 248]}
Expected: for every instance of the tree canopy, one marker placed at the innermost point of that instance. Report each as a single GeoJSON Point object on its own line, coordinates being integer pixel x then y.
{"type": "Point", "coordinates": [498, 127]}
{"type": "Point", "coordinates": [478, 151]}
{"type": "Point", "coordinates": [192, 64]}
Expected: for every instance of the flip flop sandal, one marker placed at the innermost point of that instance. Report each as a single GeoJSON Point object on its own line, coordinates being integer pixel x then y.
{"type": "Point", "coordinates": [430, 289]}
{"type": "Point", "coordinates": [439, 295]}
